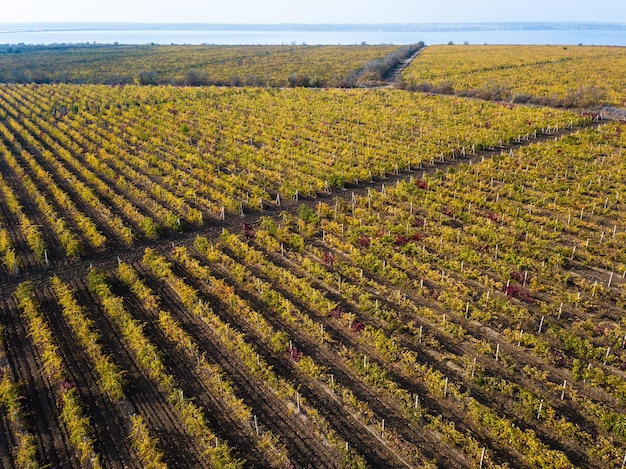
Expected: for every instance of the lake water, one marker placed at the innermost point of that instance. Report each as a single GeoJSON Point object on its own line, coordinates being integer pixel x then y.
{"type": "Point", "coordinates": [145, 36]}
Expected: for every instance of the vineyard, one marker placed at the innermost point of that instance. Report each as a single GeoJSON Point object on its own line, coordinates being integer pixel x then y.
{"type": "Point", "coordinates": [193, 65]}
{"type": "Point", "coordinates": [292, 278]}
{"type": "Point", "coordinates": [539, 74]}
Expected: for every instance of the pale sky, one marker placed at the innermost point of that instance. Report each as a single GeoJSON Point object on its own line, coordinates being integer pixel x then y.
{"type": "Point", "coordinates": [311, 11]}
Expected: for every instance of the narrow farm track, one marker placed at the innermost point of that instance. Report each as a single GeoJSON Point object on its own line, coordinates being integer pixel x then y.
{"type": "Point", "coordinates": [394, 74]}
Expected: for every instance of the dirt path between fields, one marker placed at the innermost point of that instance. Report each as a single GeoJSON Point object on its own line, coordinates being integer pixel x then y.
{"type": "Point", "coordinates": [392, 75]}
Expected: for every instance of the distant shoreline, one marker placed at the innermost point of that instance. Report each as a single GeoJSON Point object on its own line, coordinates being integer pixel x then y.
{"type": "Point", "coordinates": [322, 27]}
{"type": "Point", "coordinates": [544, 33]}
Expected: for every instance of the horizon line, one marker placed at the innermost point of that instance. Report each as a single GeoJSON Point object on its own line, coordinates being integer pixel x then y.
{"type": "Point", "coordinates": [404, 23]}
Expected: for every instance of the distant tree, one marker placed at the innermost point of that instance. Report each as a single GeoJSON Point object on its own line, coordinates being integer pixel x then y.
{"type": "Point", "coordinates": [317, 82]}
{"type": "Point", "coordinates": [195, 78]}
{"type": "Point", "coordinates": [254, 80]}
{"type": "Point", "coordinates": [299, 79]}
{"type": "Point", "coordinates": [146, 78]}
{"type": "Point", "coordinates": [444, 87]}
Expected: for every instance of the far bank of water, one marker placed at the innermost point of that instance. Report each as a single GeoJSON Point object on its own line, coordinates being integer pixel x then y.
{"type": "Point", "coordinates": [600, 37]}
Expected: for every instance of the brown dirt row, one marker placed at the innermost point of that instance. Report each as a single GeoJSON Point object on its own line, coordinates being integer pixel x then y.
{"type": "Point", "coordinates": [272, 413]}
{"type": "Point", "coordinates": [433, 358]}
{"type": "Point", "coordinates": [428, 443]}
{"type": "Point", "coordinates": [41, 411]}
{"type": "Point", "coordinates": [446, 408]}
{"type": "Point", "coordinates": [111, 428]}
{"type": "Point", "coordinates": [217, 415]}
{"type": "Point", "coordinates": [377, 454]}
{"type": "Point", "coordinates": [8, 443]}
{"type": "Point", "coordinates": [141, 392]}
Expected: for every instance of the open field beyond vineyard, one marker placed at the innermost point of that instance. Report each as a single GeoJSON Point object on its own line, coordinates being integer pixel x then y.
{"type": "Point", "coordinates": [292, 278]}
